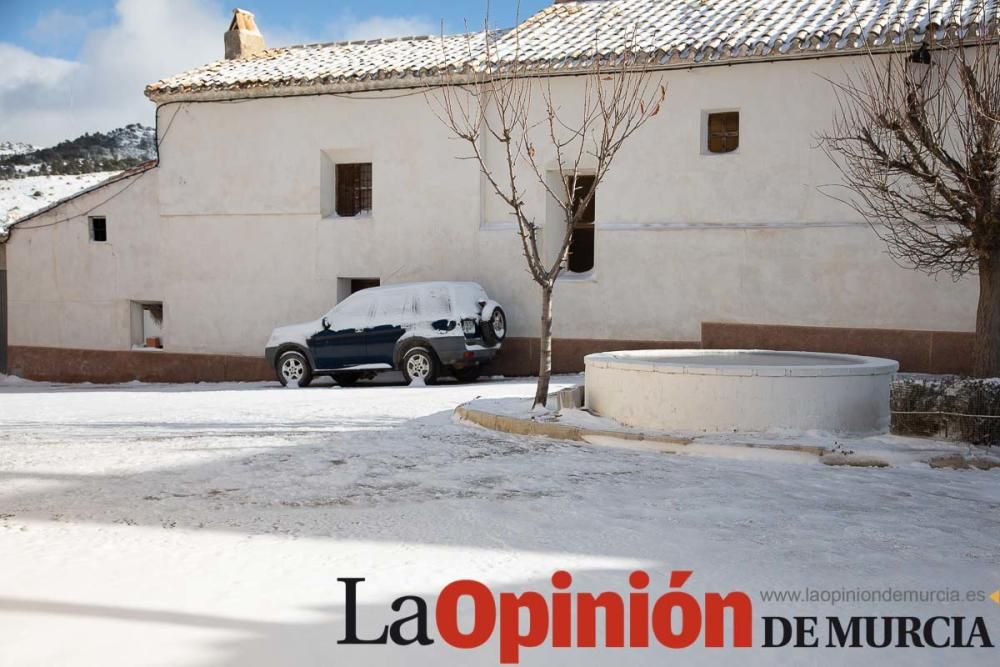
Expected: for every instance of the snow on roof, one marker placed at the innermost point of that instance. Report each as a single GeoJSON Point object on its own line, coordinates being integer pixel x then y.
{"type": "Point", "coordinates": [120, 176]}
{"type": "Point", "coordinates": [380, 63]}
{"type": "Point", "coordinates": [694, 32]}
{"type": "Point", "coordinates": [566, 36]}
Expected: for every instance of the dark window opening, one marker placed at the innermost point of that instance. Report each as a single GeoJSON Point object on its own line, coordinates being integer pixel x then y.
{"type": "Point", "coordinates": [354, 189]}
{"type": "Point", "coordinates": [99, 230]}
{"type": "Point", "coordinates": [723, 132]}
{"type": "Point", "coordinates": [921, 56]}
{"type": "Point", "coordinates": [358, 284]}
{"type": "Point", "coordinates": [581, 246]}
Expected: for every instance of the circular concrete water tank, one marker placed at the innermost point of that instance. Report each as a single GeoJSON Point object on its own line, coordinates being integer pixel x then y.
{"type": "Point", "coordinates": [741, 390]}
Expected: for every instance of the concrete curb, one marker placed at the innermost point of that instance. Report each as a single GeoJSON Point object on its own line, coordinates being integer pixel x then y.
{"type": "Point", "coordinates": [517, 426]}
{"type": "Point", "coordinates": [825, 456]}
{"type": "Point", "coordinates": [557, 431]}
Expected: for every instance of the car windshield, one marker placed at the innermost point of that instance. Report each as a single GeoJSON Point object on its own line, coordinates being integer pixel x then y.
{"type": "Point", "coordinates": [352, 312]}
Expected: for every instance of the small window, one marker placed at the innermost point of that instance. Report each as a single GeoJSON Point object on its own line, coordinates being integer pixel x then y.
{"type": "Point", "coordinates": [99, 230]}
{"type": "Point", "coordinates": [147, 325]}
{"type": "Point", "coordinates": [354, 189]}
{"type": "Point", "coordinates": [581, 246]}
{"type": "Point", "coordinates": [358, 284]}
{"type": "Point", "coordinates": [723, 132]}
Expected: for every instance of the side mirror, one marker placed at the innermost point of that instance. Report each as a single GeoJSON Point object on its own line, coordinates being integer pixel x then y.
{"type": "Point", "coordinates": [326, 324]}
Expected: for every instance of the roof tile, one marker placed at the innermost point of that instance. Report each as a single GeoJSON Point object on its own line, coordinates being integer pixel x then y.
{"type": "Point", "coordinates": [568, 35]}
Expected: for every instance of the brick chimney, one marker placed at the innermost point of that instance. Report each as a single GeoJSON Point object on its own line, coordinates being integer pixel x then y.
{"type": "Point", "coordinates": [243, 39]}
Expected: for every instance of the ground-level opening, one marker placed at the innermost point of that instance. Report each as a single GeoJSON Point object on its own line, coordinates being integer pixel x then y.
{"type": "Point", "coordinates": [147, 325]}
{"type": "Point", "coordinates": [358, 284]}
{"type": "Point", "coordinates": [348, 286]}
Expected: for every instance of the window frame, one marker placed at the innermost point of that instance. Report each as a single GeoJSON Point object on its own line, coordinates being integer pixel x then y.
{"type": "Point", "coordinates": [707, 134]}
{"type": "Point", "coordinates": [361, 191]}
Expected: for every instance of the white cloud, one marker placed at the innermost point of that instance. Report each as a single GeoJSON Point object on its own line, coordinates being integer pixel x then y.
{"type": "Point", "coordinates": [384, 26]}
{"type": "Point", "coordinates": [24, 69]}
{"type": "Point", "coordinates": [46, 100]}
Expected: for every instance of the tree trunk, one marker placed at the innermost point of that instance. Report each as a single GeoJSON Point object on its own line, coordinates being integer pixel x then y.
{"type": "Point", "coordinates": [544, 348]}
{"type": "Point", "coordinates": [986, 362]}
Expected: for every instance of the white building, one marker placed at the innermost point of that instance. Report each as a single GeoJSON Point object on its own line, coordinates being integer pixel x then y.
{"type": "Point", "coordinates": [241, 226]}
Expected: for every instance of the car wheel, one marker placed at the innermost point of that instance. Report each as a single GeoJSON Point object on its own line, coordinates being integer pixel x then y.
{"type": "Point", "coordinates": [467, 374]}
{"type": "Point", "coordinates": [419, 362]}
{"type": "Point", "coordinates": [495, 329]}
{"type": "Point", "coordinates": [293, 370]}
{"type": "Point", "coordinates": [347, 379]}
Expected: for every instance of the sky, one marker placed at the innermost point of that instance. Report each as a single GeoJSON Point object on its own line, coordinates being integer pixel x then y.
{"type": "Point", "coordinates": [74, 66]}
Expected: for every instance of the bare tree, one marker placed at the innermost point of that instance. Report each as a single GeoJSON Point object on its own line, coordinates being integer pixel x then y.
{"type": "Point", "coordinates": [917, 140]}
{"type": "Point", "coordinates": [565, 149]}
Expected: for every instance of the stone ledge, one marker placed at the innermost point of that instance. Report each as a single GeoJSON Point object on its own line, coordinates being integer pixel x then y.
{"type": "Point", "coordinates": [559, 431]}
{"type": "Point", "coordinates": [936, 456]}
{"type": "Point", "coordinates": [551, 429]}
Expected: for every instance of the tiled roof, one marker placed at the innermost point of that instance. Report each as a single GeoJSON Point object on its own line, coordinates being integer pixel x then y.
{"type": "Point", "coordinates": [700, 31]}
{"type": "Point", "coordinates": [567, 35]}
{"type": "Point", "coordinates": [382, 63]}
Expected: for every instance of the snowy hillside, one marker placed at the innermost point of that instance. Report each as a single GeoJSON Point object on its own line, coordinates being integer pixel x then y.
{"type": "Point", "coordinates": [135, 141]}
{"type": "Point", "coordinates": [118, 149]}
{"type": "Point", "coordinates": [32, 178]}
{"type": "Point", "coordinates": [8, 148]}
{"type": "Point", "coordinates": [21, 196]}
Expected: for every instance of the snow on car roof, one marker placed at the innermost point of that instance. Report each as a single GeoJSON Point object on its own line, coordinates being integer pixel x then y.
{"type": "Point", "coordinates": [427, 285]}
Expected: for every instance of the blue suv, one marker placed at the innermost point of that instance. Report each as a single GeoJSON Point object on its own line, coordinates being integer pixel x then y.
{"type": "Point", "coordinates": [421, 329]}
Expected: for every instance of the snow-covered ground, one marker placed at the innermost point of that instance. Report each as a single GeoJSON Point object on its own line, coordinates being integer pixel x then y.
{"type": "Point", "coordinates": [208, 524]}
{"type": "Point", "coordinates": [21, 196]}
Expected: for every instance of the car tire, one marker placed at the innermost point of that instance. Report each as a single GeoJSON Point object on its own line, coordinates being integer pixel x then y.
{"type": "Point", "coordinates": [347, 379]}
{"type": "Point", "coordinates": [293, 370]}
{"type": "Point", "coordinates": [467, 374]}
{"type": "Point", "coordinates": [494, 330]}
{"type": "Point", "coordinates": [419, 362]}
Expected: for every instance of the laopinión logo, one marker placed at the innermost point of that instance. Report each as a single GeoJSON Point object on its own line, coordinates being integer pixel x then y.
{"type": "Point", "coordinates": [674, 619]}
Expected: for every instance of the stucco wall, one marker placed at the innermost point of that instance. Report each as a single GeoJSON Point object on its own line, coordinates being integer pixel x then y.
{"type": "Point", "coordinates": [67, 291]}
{"type": "Point", "coordinates": [229, 230]}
